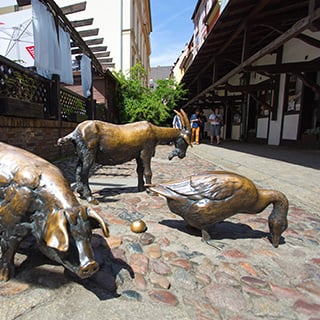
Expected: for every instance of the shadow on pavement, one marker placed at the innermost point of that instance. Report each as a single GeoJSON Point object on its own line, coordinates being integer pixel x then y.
{"type": "Point", "coordinates": [39, 271]}
{"type": "Point", "coordinates": [219, 231]}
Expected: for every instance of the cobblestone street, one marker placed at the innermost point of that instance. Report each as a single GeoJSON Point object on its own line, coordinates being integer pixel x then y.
{"type": "Point", "coordinates": [168, 272]}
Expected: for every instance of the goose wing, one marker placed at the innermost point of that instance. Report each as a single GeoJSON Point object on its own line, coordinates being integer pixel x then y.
{"type": "Point", "coordinates": [215, 186]}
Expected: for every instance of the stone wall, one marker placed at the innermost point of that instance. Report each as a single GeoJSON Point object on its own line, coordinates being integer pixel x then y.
{"type": "Point", "coordinates": [37, 136]}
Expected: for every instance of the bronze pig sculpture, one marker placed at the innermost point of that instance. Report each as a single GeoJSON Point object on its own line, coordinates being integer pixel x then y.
{"type": "Point", "coordinates": [111, 144]}
{"type": "Point", "coordinates": [205, 199]}
{"type": "Point", "coordinates": [35, 198]}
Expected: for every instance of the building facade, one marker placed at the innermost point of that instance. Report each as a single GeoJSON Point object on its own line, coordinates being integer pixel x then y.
{"type": "Point", "coordinates": [125, 26]}
{"type": "Point", "coordinates": [260, 62]}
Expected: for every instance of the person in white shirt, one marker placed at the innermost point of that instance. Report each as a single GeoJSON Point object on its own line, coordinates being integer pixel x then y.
{"type": "Point", "coordinates": [216, 121]}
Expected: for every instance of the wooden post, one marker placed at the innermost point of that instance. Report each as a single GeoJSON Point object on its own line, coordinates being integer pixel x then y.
{"type": "Point", "coordinates": [54, 103]}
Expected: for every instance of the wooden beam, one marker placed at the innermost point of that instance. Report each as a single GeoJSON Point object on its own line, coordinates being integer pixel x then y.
{"type": "Point", "coordinates": [81, 6]}
{"type": "Point", "coordinates": [250, 88]}
{"type": "Point", "coordinates": [82, 23]}
{"type": "Point", "coordinates": [108, 65]}
{"type": "Point", "coordinates": [98, 48]}
{"type": "Point", "coordinates": [234, 35]}
{"type": "Point", "coordinates": [106, 60]}
{"type": "Point", "coordinates": [261, 101]}
{"type": "Point", "coordinates": [102, 54]}
{"type": "Point", "coordinates": [309, 40]}
{"type": "Point", "coordinates": [88, 33]}
{"type": "Point", "coordinates": [296, 29]}
{"type": "Point", "coordinates": [293, 67]}
{"type": "Point", "coordinates": [93, 49]}
{"type": "Point", "coordinates": [74, 34]}
{"type": "Point", "coordinates": [89, 42]}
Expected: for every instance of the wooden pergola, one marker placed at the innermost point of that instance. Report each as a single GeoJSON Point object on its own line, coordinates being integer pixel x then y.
{"type": "Point", "coordinates": [98, 54]}
{"type": "Point", "coordinates": [246, 31]}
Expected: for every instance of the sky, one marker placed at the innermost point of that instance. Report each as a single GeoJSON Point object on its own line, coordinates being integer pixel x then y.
{"type": "Point", "coordinates": [172, 28]}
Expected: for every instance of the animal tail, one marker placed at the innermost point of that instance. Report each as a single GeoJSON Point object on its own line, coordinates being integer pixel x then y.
{"type": "Point", "coordinates": [161, 190]}
{"type": "Point", "coordinates": [65, 139]}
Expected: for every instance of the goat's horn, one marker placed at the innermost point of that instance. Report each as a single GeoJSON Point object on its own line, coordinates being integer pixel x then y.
{"type": "Point", "coordinates": [186, 120]}
{"type": "Point", "coordinates": [181, 118]}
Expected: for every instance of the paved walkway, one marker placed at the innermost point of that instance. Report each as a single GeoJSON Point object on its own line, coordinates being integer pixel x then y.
{"type": "Point", "coordinates": [167, 272]}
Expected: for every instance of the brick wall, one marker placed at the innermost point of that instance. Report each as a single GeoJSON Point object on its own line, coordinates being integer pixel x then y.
{"type": "Point", "coordinates": [37, 136]}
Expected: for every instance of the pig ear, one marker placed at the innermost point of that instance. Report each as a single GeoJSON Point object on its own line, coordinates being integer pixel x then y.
{"type": "Point", "coordinates": [92, 214]}
{"type": "Point", "coordinates": [56, 233]}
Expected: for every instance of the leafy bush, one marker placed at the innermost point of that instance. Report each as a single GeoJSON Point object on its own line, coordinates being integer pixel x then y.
{"type": "Point", "coordinates": [137, 102]}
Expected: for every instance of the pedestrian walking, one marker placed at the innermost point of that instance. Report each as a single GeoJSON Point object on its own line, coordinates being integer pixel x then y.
{"type": "Point", "coordinates": [195, 127]}
{"type": "Point", "coordinates": [176, 122]}
{"type": "Point", "coordinates": [216, 122]}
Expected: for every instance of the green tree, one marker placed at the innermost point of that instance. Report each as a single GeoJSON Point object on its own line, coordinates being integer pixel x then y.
{"type": "Point", "coordinates": [137, 102]}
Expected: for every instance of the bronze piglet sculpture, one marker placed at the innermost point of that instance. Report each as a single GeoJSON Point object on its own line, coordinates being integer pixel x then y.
{"type": "Point", "coordinates": [35, 198]}
{"type": "Point", "coordinates": [111, 144]}
{"type": "Point", "coordinates": [205, 199]}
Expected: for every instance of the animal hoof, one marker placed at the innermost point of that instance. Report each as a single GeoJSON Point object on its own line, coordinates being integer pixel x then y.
{"type": "Point", "coordinates": [92, 200]}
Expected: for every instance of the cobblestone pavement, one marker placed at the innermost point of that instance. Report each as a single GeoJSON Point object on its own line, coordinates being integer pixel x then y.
{"type": "Point", "coordinates": [168, 272]}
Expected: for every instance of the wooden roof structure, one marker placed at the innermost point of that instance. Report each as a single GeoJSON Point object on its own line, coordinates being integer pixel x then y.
{"type": "Point", "coordinates": [246, 31]}
{"type": "Point", "coordinates": [98, 53]}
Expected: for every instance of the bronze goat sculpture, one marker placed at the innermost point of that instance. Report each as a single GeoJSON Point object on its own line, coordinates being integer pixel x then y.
{"type": "Point", "coordinates": [111, 144]}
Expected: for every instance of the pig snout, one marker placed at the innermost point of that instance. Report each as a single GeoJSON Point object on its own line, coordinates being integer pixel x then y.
{"type": "Point", "coordinates": [88, 270]}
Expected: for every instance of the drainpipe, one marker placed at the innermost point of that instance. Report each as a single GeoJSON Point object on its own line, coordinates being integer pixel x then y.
{"type": "Point", "coordinates": [121, 35]}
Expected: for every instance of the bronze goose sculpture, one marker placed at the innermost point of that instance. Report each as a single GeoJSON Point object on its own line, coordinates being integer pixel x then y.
{"type": "Point", "coordinates": [205, 199]}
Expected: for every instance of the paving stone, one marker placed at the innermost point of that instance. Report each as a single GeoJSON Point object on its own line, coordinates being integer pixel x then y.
{"type": "Point", "coordinates": [159, 281]}
{"type": "Point", "coordinates": [169, 255]}
{"type": "Point", "coordinates": [263, 307]}
{"type": "Point", "coordinates": [161, 267]}
{"type": "Point", "coordinates": [226, 278]}
{"type": "Point", "coordinates": [163, 242]}
{"type": "Point", "coordinates": [226, 297]}
{"type": "Point", "coordinates": [139, 263]}
{"type": "Point", "coordinates": [310, 287]}
{"type": "Point", "coordinates": [234, 253]}
{"type": "Point", "coordinates": [153, 251]}
{"type": "Point", "coordinates": [251, 290]}
{"type": "Point", "coordinates": [12, 288]}
{"type": "Point", "coordinates": [248, 267]}
{"type": "Point", "coordinates": [134, 247]}
{"type": "Point", "coordinates": [146, 238]}
{"type": "Point", "coordinates": [163, 296]}
{"type": "Point", "coordinates": [140, 282]}
{"type": "Point", "coordinates": [203, 279]}
{"type": "Point", "coordinates": [255, 282]}
{"type": "Point", "coordinates": [130, 216]}
{"type": "Point", "coordinates": [285, 292]}
{"type": "Point", "coordinates": [206, 266]}
{"type": "Point", "coordinates": [184, 279]}
{"type": "Point", "coordinates": [114, 241]}
{"type": "Point", "coordinates": [131, 295]}
{"type": "Point", "coordinates": [182, 263]}
{"type": "Point", "coordinates": [306, 307]}
{"type": "Point", "coordinates": [202, 306]}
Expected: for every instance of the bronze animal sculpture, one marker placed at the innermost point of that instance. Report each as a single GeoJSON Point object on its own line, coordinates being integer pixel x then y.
{"type": "Point", "coordinates": [35, 198]}
{"type": "Point", "coordinates": [111, 144]}
{"type": "Point", "coordinates": [205, 199]}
